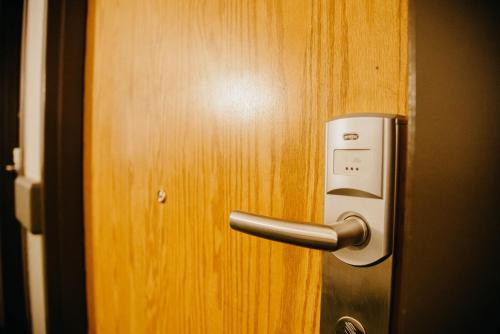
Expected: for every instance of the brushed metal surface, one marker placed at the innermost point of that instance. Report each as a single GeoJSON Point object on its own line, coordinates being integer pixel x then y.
{"type": "Point", "coordinates": [348, 193]}
{"type": "Point", "coordinates": [348, 232]}
{"type": "Point", "coordinates": [363, 293]}
{"type": "Point", "coordinates": [358, 282]}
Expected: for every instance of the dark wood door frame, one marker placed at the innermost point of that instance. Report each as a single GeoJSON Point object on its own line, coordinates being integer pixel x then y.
{"type": "Point", "coordinates": [63, 162]}
{"type": "Point", "coordinates": [448, 268]}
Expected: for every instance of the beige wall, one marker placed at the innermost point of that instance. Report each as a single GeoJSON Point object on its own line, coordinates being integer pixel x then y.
{"type": "Point", "coordinates": [32, 108]}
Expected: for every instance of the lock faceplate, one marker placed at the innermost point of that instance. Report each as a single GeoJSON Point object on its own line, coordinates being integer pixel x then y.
{"type": "Point", "coordinates": [362, 153]}
{"type": "Point", "coordinates": [363, 181]}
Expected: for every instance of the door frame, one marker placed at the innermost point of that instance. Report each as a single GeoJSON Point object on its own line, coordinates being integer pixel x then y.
{"type": "Point", "coordinates": [63, 244]}
{"type": "Point", "coordinates": [447, 258]}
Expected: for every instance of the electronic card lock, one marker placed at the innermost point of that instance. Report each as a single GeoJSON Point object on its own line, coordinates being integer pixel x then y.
{"type": "Point", "coordinates": [361, 168]}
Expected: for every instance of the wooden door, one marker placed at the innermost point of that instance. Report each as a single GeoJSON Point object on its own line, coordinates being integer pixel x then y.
{"type": "Point", "coordinates": [221, 104]}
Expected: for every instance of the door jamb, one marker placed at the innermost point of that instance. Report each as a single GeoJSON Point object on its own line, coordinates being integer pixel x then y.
{"type": "Point", "coordinates": [63, 165]}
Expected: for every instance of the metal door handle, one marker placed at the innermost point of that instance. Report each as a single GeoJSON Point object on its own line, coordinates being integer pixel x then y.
{"type": "Point", "coordinates": [352, 231]}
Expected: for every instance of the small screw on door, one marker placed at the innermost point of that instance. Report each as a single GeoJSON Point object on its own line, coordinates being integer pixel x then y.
{"type": "Point", "coordinates": [161, 196]}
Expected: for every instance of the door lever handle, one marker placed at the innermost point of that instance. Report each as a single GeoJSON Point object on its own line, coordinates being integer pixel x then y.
{"type": "Point", "coordinates": [352, 231]}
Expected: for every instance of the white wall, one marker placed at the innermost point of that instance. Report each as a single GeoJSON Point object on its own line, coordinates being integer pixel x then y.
{"type": "Point", "coordinates": [32, 110]}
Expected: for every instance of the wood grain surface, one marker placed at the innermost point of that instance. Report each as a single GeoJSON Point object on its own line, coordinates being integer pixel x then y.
{"type": "Point", "coordinates": [222, 104]}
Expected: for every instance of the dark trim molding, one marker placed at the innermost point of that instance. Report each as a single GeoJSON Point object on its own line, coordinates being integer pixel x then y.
{"type": "Point", "coordinates": [63, 162]}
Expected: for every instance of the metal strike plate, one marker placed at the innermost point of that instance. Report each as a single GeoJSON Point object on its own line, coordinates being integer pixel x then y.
{"type": "Point", "coordinates": [28, 197]}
